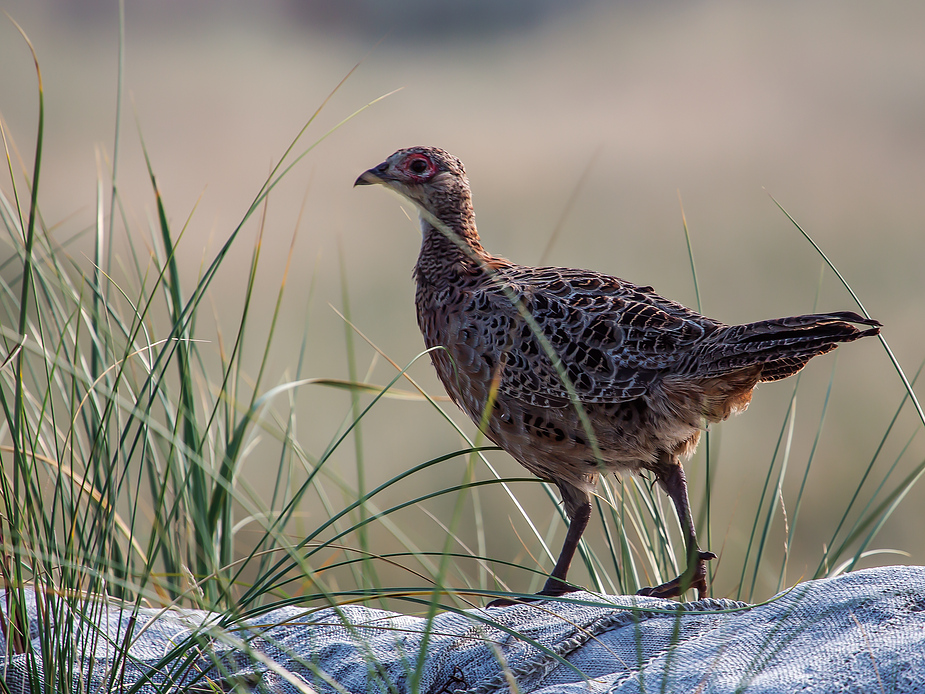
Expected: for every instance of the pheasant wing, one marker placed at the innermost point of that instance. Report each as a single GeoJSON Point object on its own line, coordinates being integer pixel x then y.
{"type": "Point", "coordinates": [614, 339]}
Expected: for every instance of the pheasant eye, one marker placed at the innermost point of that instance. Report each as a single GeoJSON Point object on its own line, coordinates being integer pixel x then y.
{"type": "Point", "coordinates": [418, 166]}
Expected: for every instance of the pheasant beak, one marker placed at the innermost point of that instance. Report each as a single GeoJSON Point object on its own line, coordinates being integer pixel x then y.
{"type": "Point", "coordinates": [372, 176]}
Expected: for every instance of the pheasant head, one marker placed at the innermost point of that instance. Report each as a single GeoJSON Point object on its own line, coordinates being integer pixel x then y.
{"type": "Point", "coordinates": [435, 181]}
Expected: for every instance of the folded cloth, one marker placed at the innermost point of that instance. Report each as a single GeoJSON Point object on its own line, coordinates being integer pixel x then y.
{"type": "Point", "coordinates": [859, 632]}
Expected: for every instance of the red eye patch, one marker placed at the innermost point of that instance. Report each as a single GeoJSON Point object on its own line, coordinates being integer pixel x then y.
{"type": "Point", "coordinates": [418, 167]}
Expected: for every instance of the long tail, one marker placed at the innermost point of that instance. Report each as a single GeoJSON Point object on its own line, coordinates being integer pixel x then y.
{"type": "Point", "coordinates": [782, 346]}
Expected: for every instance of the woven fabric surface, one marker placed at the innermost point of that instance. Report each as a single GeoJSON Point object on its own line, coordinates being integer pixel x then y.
{"type": "Point", "coordinates": [860, 632]}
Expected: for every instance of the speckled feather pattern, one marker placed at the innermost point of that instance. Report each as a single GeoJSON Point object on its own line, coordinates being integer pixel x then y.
{"type": "Point", "coordinates": [648, 372]}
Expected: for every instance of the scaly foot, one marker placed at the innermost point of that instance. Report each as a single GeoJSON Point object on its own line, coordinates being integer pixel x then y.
{"type": "Point", "coordinates": [558, 588]}
{"type": "Point", "coordinates": [694, 577]}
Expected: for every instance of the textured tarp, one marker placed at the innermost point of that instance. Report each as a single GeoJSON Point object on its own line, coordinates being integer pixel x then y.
{"type": "Point", "coordinates": [860, 632]}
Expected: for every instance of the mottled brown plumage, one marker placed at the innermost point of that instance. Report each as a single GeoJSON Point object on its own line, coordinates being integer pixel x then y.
{"type": "Point", "coordinates": [647, 372]}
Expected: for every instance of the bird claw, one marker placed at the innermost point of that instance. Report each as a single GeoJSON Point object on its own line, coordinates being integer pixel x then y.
{"type": "Point", "coordinates": [508, 602]}
{"type": "Point", "coordinates": [696, 578]}
{"type": "Point", "coordinates": [547, 592]}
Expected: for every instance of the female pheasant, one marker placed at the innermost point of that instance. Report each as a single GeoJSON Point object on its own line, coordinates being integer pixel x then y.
{"type": "Point", "coordinates": [584, 373]}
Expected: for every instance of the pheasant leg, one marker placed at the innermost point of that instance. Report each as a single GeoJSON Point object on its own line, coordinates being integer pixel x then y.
{"type": "Point", "coordinates": [695, 575]}
{"type": "Point", "coordinates": [578, 509]}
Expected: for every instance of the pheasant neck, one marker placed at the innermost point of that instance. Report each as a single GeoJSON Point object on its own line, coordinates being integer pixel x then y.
{"type": "Point", "coordinates": [452, 249]}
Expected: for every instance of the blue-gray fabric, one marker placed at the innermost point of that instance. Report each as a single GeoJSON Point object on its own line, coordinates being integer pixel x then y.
{"type": "Point", "coordinates": [860, 632]}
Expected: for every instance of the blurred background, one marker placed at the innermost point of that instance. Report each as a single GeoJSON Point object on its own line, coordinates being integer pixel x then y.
{"type": "Point", "coordinates": [620, 107]}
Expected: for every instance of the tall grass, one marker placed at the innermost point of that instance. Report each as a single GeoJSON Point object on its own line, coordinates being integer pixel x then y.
{"type": "Point", "coordinates": [124, 438]}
